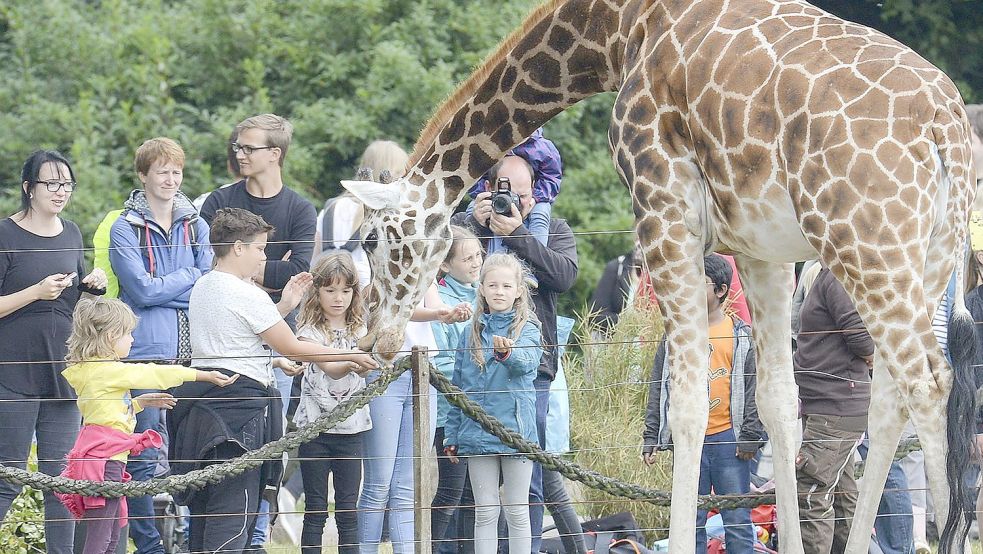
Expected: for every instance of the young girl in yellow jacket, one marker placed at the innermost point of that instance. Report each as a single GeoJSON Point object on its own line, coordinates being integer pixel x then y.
{"type": "Point", "coordinates": [101, 336]}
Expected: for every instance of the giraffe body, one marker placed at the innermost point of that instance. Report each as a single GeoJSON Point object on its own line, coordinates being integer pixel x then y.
{"type": "Point", "coordinates": [765, 128]}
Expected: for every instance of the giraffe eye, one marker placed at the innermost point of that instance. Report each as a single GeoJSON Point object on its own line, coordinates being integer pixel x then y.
{"type": "Point", "coordinates": [370, 241]}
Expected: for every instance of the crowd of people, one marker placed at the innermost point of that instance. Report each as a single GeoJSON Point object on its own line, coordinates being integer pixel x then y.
{"type": "Point", "coordinates": [208, 326]}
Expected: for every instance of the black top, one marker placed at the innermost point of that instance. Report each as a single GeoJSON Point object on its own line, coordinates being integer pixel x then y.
{"type": "Point", "coordinates": [830, 369]}
{"type": "Point", "coordinates": [294, 219]}
{"type": "Point", "coordinates": [35, 335]}
{"type": "Point", "coordinates": [554, 265]}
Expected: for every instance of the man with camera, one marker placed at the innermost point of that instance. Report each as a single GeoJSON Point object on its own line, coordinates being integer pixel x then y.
{"type": "Point", "coordinates": [500, 219]}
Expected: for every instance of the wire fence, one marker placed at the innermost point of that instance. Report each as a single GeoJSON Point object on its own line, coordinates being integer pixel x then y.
{"type": "Point", "coordinates": [627, 492]}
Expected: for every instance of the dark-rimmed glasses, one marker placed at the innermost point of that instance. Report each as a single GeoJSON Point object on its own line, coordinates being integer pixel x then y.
{"type": "Point", "coordinates": [55, 186]}
{"type": "Point", "coordinates": [247, 149]}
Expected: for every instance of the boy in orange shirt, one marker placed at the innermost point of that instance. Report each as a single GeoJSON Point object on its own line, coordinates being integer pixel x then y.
{"type": "Point", "coordinates": [734, 432]}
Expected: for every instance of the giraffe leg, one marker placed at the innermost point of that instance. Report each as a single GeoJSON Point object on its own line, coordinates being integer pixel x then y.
{"type": "Point", "coordinates": [679, 284]}
{"type": "Point", "coordinates": [885, 421]}
{"type": "Point", "coordinates": [768, 287]}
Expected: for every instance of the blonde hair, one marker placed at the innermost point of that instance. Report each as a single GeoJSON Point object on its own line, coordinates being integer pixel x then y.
{"type": "Point", "coordinates": [96, 326]}
{"type": "Point", "coordinates": [278, 131]}
{"type": "Point", "coordinates": [522, 306]}
{"type": "Point", "coordinates": [336, 267]}
{"type": "Point", "coordinates": [458, 236]}
{"type": "Point", "coordinates": [160, 149]}
{"type": "Point", "coordinates": [384, 155]}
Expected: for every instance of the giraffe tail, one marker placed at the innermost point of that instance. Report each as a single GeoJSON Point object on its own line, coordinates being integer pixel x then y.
{"type": "Point", "coordinates": [963, 343]}
{"type": "Point", "coordinates": [960, 427]}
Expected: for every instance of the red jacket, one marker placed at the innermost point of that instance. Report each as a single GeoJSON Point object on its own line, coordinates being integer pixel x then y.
{"type": "Point", "coordinates": [87, 460]}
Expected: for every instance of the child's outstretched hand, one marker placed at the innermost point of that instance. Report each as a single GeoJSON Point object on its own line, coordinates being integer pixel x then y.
{"type": "Point", "coordinates": [502, 345]}
{"type": "Point", "coordinates": [216, 378]}
{"type": "Point", "coordinates": [362, 362]}
{"type": "Point", "coordinates": [288, 366]}
{"type": "Point", "coordinates": [451, 453]}
{"type": "Point", "coordinates": [293, 291]}
{"type": "Point", "coordinates": [161, 400]}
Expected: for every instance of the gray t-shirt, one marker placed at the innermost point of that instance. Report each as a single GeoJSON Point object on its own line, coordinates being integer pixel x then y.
{"type": "Point", "coordinates": [227, 314]}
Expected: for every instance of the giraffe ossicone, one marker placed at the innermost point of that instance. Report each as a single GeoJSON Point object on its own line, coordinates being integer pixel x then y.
{"type": "Point", "coordinates": [766, 128]}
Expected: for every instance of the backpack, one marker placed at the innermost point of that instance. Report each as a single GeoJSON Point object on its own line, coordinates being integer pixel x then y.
{"type": "Point", "coordinates": [327, 230]}
{"type": "Point", "coordinates": [143, 235]}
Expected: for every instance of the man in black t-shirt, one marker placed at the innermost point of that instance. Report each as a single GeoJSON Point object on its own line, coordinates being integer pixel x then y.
{"type": "Point", "coordinates": [260, 147]}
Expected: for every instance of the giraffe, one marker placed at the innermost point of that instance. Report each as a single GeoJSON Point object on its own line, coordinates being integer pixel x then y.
{"type": "Point", "coordinates": [768, 129]}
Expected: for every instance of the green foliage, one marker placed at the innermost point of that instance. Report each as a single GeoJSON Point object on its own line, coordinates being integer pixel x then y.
{"type": "Point", "coordinates": [948, 33]}
{"type": "Point", "coordinates": [22, 531]}
{"type": "Point", "coordinates": [605, 394]}
{"type": "Point", "coordinates": [95, 79]}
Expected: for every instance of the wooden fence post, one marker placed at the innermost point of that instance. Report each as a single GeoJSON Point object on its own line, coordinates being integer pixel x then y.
{"type": "Point", "coordinates": [424, 482]}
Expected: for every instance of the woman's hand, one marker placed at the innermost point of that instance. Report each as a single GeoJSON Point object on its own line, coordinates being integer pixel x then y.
{"type": "Point", "coordinates": [502, 345]}
{"type": "Point", "coordinates": [51, 287]}
{"type": "Point", "coordinates": [216, 378]}
{"type": "Point", "coordinates": [96, 279]}
{"type": "Point", "coordinates": [451, 453]}
{"type": "Point", "coordinates": [160, 400]}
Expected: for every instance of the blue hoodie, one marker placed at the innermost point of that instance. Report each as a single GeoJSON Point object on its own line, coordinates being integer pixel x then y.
{"type": "Point", "coordinates": [448, 335]}
{"type": "Point", "coordinates": [504, 388]}
{"type": "Point", "coordinates": [156, 280]}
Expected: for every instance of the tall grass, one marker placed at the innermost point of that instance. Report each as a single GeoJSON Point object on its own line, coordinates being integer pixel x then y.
{"type": "Point", "coordinates": [608, 393]}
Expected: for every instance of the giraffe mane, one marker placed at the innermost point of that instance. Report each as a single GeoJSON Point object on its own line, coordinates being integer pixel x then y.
{"type": "Point", "coordinates": [466, 89]}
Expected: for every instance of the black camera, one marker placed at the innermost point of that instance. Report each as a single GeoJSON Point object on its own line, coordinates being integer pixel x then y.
{"type": "Point", "coordinates": [502, 198]}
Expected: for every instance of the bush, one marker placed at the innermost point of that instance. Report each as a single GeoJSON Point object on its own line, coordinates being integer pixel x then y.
{"type": "Point", "coordinates": [608, 392]}
{"type": "Point", "coordinates": [22, 531]}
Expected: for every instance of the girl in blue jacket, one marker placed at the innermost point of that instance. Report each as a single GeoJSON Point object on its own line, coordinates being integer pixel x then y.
{"type": "Point", "coordinates": [498, 374]}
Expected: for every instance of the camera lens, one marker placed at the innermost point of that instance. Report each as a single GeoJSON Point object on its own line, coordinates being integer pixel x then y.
{"type": "Point", "coordinates": [501, 204]}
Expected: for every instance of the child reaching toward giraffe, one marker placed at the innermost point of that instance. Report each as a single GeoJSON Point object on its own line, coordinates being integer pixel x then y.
{"type": "Point", "coordinates": [101, 336]}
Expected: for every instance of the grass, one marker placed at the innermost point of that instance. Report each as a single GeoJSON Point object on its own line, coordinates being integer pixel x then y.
{"type": "Point", "coordinates": [607, 411]}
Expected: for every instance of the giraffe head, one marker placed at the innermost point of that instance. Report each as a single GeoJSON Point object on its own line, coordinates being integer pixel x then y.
{"type": "Point", "coordinates": [405, 243]}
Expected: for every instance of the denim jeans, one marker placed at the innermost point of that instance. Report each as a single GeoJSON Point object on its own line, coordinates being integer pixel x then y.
{"type": "Point", "coordinates": [723, 472]}
{"type": "Point", "coordinates": [56, 425]}
{"type": "Point", "coordinates": [340, 455]}
{"type": "Point", "coordinates": [894, 525]}
{"type": "Point", "coordinates": [142, 467]}
{"type": "Point", "coordinates": [389, 467]}
{"type": "Point", "coordinates": [450, 489]}
{"type": "Point", "coordinates": [536, 497]}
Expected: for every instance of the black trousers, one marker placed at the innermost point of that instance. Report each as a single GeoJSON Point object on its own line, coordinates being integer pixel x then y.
{"type": "Point", "coordinates": [223, 514]}
{"type": "Point", "coordinates": [341, 455]}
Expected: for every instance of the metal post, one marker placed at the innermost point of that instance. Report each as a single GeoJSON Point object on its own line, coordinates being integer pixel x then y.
{"type": "Point", "coordinates": [424, 482]}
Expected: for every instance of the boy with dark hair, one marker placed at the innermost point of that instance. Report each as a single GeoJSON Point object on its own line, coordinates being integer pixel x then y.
{"type": "Point", "coordinates": [260, 147]}
{"type": "Point", "coordinates": [734, 432]}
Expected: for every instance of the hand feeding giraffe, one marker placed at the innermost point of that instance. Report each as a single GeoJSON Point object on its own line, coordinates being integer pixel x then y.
{"type": "Point", "coordinates": [768, 129]}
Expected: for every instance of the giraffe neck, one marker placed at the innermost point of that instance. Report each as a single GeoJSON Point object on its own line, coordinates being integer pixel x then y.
{"type": "Point", "coordinates": [566, 51]}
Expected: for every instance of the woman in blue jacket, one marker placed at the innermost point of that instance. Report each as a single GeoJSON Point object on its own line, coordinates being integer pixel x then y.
{"type": "Point", "coordinates": [498, 374]}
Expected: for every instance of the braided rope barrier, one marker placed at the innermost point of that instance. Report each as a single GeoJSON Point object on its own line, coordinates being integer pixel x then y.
{"type": "Point", "coordinates": [576, 472]}
{"type": "Point", "coordinates": [216, 472]}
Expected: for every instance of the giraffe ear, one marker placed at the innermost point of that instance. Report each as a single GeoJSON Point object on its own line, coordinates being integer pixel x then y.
{"type": "Point", "coordinates": [375, 196]}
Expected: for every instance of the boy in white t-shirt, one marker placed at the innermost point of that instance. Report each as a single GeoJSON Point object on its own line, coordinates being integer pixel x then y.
{"type": "Point", "coordinates": [234, 324]}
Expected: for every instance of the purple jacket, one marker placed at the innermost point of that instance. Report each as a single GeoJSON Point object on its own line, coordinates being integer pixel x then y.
{"type": "Point", "coordinates": [544, 158]}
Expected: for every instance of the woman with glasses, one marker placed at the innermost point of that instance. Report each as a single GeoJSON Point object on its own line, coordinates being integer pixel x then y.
{"type": "Point", "coordinates": [42, 275]}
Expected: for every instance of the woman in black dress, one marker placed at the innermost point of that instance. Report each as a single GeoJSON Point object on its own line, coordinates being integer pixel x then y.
{"type": "Point", "coordinates": [42, 275]}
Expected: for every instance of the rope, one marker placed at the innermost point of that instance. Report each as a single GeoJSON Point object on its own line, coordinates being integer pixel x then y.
{"type": "Point", "coordinates": [575, 472]}
{"type": "Point", "coordinates": [218, 472]}
{"type": "Point", "coordinates": [213, 473]}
